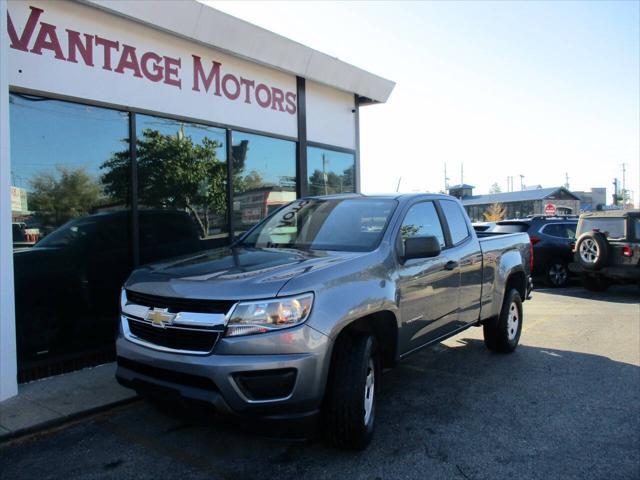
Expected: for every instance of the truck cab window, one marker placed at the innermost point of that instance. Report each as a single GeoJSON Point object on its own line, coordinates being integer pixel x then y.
{"type": "Point", "coordinates": [421, 220]}
{"type": "Point", "coordinates": [456, 221]}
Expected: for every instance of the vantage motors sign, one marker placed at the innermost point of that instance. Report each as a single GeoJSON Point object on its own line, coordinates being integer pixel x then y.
{"type": "Point", "coordinates": [77, 51]}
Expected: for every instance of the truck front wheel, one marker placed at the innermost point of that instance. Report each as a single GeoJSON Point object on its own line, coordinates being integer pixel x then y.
{"type": "Point", "coordinates": [502, 335]}
{"type": "Point", "coordinates": [352, 390]}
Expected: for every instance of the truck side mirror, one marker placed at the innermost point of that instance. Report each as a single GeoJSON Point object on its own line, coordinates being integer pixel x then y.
{"type": "Point", "coordinates": [421, 247]}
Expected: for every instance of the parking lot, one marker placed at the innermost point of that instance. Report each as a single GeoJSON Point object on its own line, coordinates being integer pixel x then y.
{"type": "Point", "coordinates": [566, 404]}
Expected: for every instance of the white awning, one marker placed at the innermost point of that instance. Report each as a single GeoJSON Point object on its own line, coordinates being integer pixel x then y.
{"type": "Point", "coordinates": [203, 24]}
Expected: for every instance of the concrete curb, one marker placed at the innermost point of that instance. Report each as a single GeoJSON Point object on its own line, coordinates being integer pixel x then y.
{"type": "Point", "coordinates": [62, 420]}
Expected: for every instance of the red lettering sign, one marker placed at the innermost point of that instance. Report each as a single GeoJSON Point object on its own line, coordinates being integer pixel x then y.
{"type": "Point", "coordinates": [41, 38]}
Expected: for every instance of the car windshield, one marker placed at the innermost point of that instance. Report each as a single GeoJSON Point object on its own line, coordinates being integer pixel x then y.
{"type": "Point", "coordinates": [613, 228]}
{"type": "Point", "coordinates": [69, 234]}
{"type": "Point", "coordinates": [345, 224]}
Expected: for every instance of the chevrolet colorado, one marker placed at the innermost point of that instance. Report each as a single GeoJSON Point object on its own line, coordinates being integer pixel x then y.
{"type": "Point", "coordinates": [297, 318]}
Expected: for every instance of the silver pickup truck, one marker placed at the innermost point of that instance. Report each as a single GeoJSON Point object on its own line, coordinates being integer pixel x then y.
{"type": "Point", "coordinates": [297, 318]}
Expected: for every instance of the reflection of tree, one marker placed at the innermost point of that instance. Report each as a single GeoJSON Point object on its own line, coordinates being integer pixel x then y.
{"type": "Point", "coordinates": [173, 172]}
{"type": "Point", "coordinates": [323, 183]}
{"type": "Point", "coordinates": [409, 230]}
{"type": "Point", "coordinates": [249, 182]}
{"type": "Point", "coordinates": [495, 212]}
{"type": "Point", "coordinates": [58, 197]}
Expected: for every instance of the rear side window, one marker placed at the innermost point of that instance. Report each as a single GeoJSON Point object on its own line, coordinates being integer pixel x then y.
{"type": "Point", "coordinates": [422, 220]}
{"type": "Point", "coordinates": [560, 230]}
{"type": "Point", "coordinates": [636, 222]}
{"type": "Point", "coordinates": [456, 221]}
{"type": "Point", "coordinates": [613, 228]}
{"type": "Point", "coordinates": [511, 227]}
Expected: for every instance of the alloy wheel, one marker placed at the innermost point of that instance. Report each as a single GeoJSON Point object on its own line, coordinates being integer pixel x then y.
{"type": "Point", "coordinates": [369, 390]}
{"type": "Point", "coordinates": [512, 321]}
{"type": "Point", "coordinates": [589, 251]}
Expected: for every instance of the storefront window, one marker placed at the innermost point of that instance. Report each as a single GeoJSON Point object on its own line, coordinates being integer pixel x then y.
{"type": "Point", "coordinates": [330, 172]}
{"type": "Point", "coordinates": [71, 228]}
{"type": "Point", "coordinates": [264, 177]}
{"type": "Point", "coordinates": [182, 187]}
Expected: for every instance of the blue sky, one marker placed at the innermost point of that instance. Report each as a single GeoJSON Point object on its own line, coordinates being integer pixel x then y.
{"type": "Point", "coordinates": [507, 88]}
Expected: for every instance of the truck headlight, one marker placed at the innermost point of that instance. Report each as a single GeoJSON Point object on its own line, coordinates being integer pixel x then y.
{"type": "Point", "coordinates": [267, 315]}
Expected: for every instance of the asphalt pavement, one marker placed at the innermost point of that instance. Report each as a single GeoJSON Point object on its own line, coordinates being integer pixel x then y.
{"type": "Point", "coordinates": [566, 404]}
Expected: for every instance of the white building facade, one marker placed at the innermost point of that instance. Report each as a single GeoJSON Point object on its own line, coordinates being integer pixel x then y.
{"type": "Point", "coordinates": [137, 131]}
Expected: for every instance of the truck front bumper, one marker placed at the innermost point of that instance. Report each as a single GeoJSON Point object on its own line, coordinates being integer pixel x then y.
{"type": "Point", "coordinates": [240, 377]}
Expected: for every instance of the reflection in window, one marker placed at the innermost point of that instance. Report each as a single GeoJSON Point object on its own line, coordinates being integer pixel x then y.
{"type": "Point", "coordinates": [422, 220]}
{"type": "Point", "coordinates": [330, 172]}
{"type": "Point", "coordinates": [71, 250]}
{"type": "Point", "coordinates": [264, 177]}
{"type": "Point", "coordinates": [456, 221]}
{"type": "Point", "coordinates": [182, 172]}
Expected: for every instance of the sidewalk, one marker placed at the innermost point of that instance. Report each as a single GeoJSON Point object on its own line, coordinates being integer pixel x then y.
{"type": "Point", "coordinates": [52, 401]}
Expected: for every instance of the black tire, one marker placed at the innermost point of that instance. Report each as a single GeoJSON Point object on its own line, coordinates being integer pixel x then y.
{"type": "Point", "coordinates": [501, 335]}
{"type": "Point", "coordinates": [353, 356]}
{"type": "Point", "coordinates": [592, 250]}
{"type": "Point", "coordinates": [595, 283]}
{"type": "Point", "coordinates": [557, 274]}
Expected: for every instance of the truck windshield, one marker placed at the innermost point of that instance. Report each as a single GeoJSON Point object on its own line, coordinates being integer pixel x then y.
{"type": "Point", "coordinates": [345, 224]}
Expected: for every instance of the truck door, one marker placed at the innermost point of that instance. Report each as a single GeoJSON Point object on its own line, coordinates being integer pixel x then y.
{"type": "Point", "coordinates": [465, 250]}
{"type": "Point", "coordinates": [427, 287]}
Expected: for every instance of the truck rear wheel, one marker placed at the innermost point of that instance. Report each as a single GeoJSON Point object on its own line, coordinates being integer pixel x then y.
{"type": "Point", "coordinates": [502, 335]}
{"type": "Point", "coordinates": [352, 390]}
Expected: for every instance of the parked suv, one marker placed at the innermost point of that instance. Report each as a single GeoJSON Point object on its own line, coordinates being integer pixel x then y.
{"type": "Point", "coordinates": [551, 238]}
{"type": "Point", "coordinates": [607, 249]}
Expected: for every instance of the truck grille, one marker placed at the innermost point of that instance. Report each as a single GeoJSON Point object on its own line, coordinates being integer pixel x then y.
{"type": "Point", "coordinates": [176, 305]}
{"type": "Point", "coordinates": [176, 338]}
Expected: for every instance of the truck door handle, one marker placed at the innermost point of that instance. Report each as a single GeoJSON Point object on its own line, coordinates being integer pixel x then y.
{"type": "Point", "coordinates": [451, 265]}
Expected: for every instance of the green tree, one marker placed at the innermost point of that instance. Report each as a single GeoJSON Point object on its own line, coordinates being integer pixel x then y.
{"type": "Point", "coordinates": [173, 172]}
{"type": "Point", "coordinates": [495, 188]}
{"type": "Point", "coordinates": [57, 197]}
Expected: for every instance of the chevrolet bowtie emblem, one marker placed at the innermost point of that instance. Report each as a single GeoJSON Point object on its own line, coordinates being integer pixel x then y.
{"type": "Point", "coordinates": [160, 317]}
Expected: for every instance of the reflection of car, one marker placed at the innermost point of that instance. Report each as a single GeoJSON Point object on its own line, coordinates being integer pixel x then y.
{"type": "Point", "coordinates": [67, 285]}
{"type": "Point", "coordinates": [306, 308]}
{"type": "Point", "coordinates": [23, 236]}
{"type": "Point", "coordinates": [607, 248]}
{"type": "Point", "coordinates": [551, 238]}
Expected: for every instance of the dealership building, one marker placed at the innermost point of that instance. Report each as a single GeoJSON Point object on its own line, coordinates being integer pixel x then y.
{"type": "Point", "coordinates": [132, 132]}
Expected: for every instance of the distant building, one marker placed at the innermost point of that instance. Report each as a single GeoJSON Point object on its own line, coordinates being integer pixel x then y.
{"type": "Point", "coordinates": [596, 199]}
{"type": "Point", "coordinates": [518, 204]}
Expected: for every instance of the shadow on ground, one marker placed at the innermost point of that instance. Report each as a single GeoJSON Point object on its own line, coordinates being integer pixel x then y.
{"type": "Point", "coordinates": [454, 411]}
{"type": "Point", "coordinates": [628, 294]}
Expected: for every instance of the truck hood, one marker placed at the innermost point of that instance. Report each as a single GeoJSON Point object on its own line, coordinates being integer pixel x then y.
{"type": "Point", "coordinates": [231, 273]}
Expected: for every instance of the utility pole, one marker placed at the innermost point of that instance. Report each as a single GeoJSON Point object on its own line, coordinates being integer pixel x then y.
{"type": "Point", "coordinates": [461, 173]}
{"type": "Point", "coordinates": [624, 184]}
{"type": "Point", "coordinates": [446, 179]}
{"type": "Point", "coordinates": [615, 191]}
{"type": "Point", "coordinates": [521, 182]}
{"type": "Point", "coordinates": [566, 180]}
{"type": "Point", "coordinates": [398, 187]}
{"type": "Point", "coordinates": [324, 173]}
